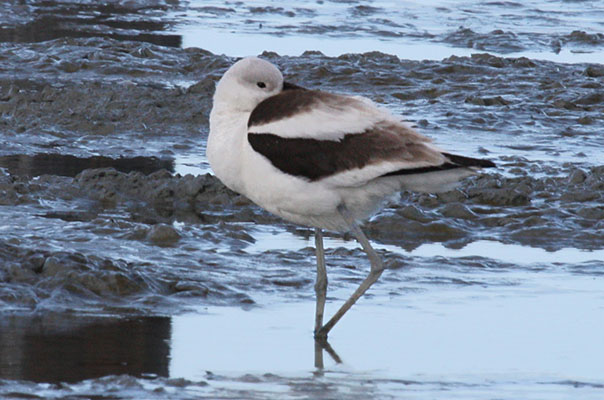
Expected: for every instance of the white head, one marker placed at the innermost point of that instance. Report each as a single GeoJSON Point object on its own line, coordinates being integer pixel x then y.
{"type": "Point", "coordinates": [247, 83]}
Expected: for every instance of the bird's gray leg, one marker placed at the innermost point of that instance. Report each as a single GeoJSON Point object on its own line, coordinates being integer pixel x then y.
{"type": "Point", "coordinates": [376, 271]}
{"type": "Point", "coordinates": [319, 355]}
{"type": "Point", "coordinates": [321, 284]}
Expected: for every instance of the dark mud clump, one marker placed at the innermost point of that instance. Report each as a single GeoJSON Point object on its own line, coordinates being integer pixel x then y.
{"type": "Point", "coordinates": [584, 38]}
{"type": "Point", "coordinates": [497, 40]}
{"type": "Point", "coordinates": [68, 165]}
{"type": "Point", "coordinates": [522, 210]}
{"type": "Point", "coordinates": [166, 197]}
{"type": "Point", "coordinates": [34, 278]}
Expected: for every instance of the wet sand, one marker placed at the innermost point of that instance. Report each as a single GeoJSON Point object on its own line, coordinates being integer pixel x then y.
{"type": "Point", "coordinates": [111, 223]}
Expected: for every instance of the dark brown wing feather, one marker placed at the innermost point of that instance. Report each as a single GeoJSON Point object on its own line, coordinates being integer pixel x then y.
{"type": "Point", "coordinates": [292, 100]}
{"type": "Point", "coordinates": [315, 159]}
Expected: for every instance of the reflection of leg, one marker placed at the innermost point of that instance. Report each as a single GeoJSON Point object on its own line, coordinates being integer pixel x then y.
{"type": "Point", "coordinates": [321, 285]}
{"type": "Point", "coordinates": [376, 270]}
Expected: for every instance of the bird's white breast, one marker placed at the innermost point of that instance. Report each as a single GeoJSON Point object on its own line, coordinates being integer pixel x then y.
{"type": "Point", "coordinates": [225, 143]}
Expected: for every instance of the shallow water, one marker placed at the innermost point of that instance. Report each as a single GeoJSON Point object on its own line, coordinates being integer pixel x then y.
{"type": "Point", "coordinates": [505, 253]}
{"type": "Point", "coordinates": [108, 223]}
{"type": "Point", "coordinates": [542, 341]}
{"type": "Point", "coordinates": [416, 30]}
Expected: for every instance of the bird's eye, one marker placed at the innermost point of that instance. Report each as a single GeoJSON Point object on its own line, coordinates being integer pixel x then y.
{"type": "Point", "coordinates": [261, 85]}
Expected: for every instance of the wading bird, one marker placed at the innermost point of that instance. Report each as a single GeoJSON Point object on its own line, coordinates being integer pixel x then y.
{"type": "Point", "coordinates": [320, 159]}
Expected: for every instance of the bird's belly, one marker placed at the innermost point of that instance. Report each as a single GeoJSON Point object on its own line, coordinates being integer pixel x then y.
{"type": "Point", "coordinates": [290, 197]}
{"type": "Point", "coordinates": [310, 203]}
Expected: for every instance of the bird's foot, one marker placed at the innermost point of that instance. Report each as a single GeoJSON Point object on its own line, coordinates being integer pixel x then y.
{"type": "Point", "coordinates": [321, 344]}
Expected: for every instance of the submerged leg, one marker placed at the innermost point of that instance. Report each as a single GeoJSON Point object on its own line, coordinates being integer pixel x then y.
{"type": "Point", "coordinates": [376, 270]}
{"type": "Point", "coordinates": [320, 345]}
{"type": "Point", "coordinates": [321, 284]}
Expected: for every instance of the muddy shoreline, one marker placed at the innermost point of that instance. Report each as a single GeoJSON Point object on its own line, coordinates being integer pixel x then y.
{"type": "Point", "coordinates": [76, 99]}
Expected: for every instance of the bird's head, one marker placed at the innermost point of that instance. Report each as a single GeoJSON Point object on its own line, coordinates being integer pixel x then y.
{"type": "Point", "coordinates": [247, 82]}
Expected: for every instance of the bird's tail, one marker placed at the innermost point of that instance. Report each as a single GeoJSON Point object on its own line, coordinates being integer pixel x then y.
{"type": "Point", "coordinates": [443, 177]}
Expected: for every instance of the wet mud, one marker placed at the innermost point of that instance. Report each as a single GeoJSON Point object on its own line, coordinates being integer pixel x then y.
{"type": "Point", "coordinates": [68, 165]}
{"type": "Point", "coordinates": [97, 220]}
{"type": "Point", "coordinates": [39, 21]}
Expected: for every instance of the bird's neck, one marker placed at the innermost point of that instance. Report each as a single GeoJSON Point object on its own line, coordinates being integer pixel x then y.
{"type": "Point", "coordinates": [228, 130]}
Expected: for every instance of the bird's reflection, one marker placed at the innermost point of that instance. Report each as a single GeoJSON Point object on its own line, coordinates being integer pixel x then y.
{"type": "Point", "coordinates": [71, 348]}
{"type": "Point", "coordinates": [322, 345]}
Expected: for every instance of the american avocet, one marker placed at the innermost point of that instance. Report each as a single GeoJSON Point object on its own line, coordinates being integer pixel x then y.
{"type": "Point", "coordinates": [320, 159]}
